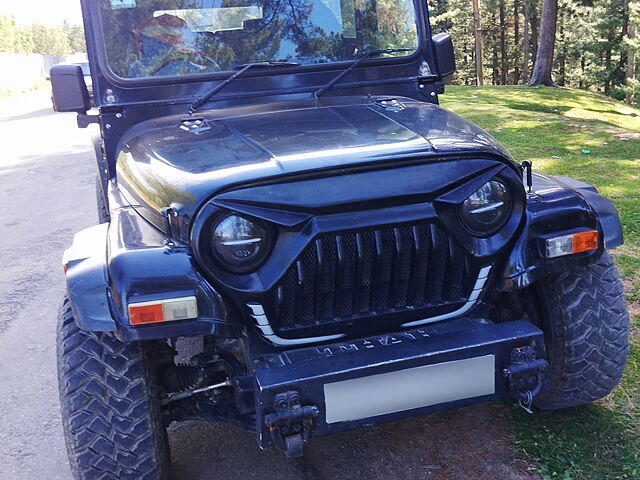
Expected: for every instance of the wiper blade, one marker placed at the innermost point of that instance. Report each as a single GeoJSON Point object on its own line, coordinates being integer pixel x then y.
{"type": "Point", "coordinates": [268, 64]}
{"type": "Point", "coordinates": [361, 58]}
{"type": "Point", "coordinates": [243, 68]}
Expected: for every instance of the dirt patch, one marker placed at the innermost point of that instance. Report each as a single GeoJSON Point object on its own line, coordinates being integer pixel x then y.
{"type": "Point", "coordinates": [623, 134]}
{"type": "Point", "coordinates": [616, 132]}
{"type": "Point", "coordinates": [633, 307]}
{"type": "Point", "coordinates": [630, 286]}
{"type": "Point", "coordinates": [471, 443]}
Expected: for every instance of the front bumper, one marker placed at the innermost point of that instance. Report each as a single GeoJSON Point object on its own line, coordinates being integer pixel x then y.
{"type": "Point", "coordinates": [322, 390]}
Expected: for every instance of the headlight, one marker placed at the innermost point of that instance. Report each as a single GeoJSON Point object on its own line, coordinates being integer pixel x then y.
{"type": "Point", "coordinates": [487, 209]}
{"type": "Point", "coordinates": [239, 244]}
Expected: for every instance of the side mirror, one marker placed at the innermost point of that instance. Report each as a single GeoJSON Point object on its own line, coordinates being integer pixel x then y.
{"type": "Point", "coordinates": [70, 93]}
{"type": "Point", "coordinates": [445, 56]}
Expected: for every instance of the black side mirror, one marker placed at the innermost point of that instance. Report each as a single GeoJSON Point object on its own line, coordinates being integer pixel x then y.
{"type": "Point", "coordinates": [445, 56]}
{"type": "Point", "coordinates": [70, 93]}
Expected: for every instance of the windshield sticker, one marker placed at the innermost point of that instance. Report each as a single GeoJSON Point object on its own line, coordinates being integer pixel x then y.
{"type": "Point", "coordinates": [115, 4]}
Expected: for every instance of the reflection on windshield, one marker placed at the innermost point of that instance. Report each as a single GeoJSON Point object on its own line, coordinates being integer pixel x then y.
{"type": "Point", "coordinates": [215, 19]}
{"type": "Point", "coordinates": [147, 38]}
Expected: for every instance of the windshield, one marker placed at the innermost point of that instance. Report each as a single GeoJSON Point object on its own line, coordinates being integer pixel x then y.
{"type": "Point", "coordinates": [157, 38]}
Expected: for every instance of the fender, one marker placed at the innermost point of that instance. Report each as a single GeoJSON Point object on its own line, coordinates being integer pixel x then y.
{"type": "Point", "coordinates": [559, 204]}
{"type": "Point", "coordinates": [602, 206]}
{"type": "Point", "coordinates": [87, 283]}
{"type": "Point", "coordinates": [128, 260]}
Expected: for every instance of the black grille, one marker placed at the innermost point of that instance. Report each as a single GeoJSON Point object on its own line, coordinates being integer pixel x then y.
{"type": "Point", "coordinates": [344, 276]}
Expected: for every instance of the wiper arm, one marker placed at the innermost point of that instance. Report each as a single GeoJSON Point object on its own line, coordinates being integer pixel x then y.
{"type": "Point", "coordinates": [243, 68]}
{"type": "Point", "coordinates": [361, 58]}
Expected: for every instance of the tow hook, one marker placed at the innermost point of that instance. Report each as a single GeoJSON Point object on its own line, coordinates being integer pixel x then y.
{"type": "Point", "coordinates": [526, 375]}
{"type": "Point", "coordinates": [291, 423]}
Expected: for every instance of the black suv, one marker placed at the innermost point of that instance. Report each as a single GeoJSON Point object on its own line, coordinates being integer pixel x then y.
{"type": "Point", "coordinates": [294, 238]}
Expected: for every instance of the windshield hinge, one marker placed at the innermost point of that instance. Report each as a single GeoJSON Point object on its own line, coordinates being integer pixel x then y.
{"type": "Point", "coordinates": [85, 120]}
{"type": "Point", "coordinates": [194, 124]}
{"type": "Point", "coordinates": [389, 103]}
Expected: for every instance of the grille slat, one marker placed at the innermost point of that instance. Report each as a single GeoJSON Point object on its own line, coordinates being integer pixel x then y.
{"type": "Point", "coordinates": [365, 271]}
{"type": "Point", "coordinates": [436, 277]}
{"type": "Point", "coordinates": [317, 250]}
{"type": "Point", "coordinates": [383, 270]}
{"type": "Point", "coordinates": [418, 283]}
{"type": "Point", "coordinates": [345, 275]}
{"type": "Point", "coordinates": [328, 277]}
{"type": "Point", "coordinates": [402, 266]}
{"type": "Point", "coordinates": [348, 275]}
{"type": "Point", "coordinates": [455, 274]}
{"type": "Point", "coordinates": [308, 269]}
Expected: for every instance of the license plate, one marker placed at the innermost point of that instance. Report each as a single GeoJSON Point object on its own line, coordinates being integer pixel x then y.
{"type": "Point", "coordinates": [411, 388]}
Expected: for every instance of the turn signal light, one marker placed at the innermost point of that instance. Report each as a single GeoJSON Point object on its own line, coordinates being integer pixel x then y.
{"type": "Point", "coordinates": [572, 243]}
{"type": "Point", "coordinates": [167, 310]}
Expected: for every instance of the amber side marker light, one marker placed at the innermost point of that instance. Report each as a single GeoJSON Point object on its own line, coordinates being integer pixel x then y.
{"type": "Point", "coordinates": [572, 243]}
{"type": "Point", "coordinates": [165, 310]}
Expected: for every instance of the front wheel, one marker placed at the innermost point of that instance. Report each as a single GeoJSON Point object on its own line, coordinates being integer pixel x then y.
{"type": "Point", "coordinates": [586, 327]}
{"type": "Point", "coordinates": [110, 409]}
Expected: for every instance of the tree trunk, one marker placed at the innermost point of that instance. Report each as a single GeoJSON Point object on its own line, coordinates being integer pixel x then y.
{"type": "Point", "coordinates": [607, 66]}
{"type": "Point", "coordinates": [442, 7]}
{"type": "Point", "coordinates": [630, 72]}
{"type": "Point", "coordinates": [631, 62]}
{"type": "Point", "coordinates": [468, 58]}
{"type": "Point", "coordinates": [477, 33]}
{"type": "Point", "coordinates": [495, 68]}
{"type": "Point", "coordinates": [516, 40]}
{"type": "Point", "coordinates": [526, 42]}
{"type": "Point", "coordinates": [503, 46]}
{"type": "Point", "coordinates": [535, 23]}
{"type": "Point", "coordinates": [546, 44]}
{"type": "Point", "coordinates": [563, 49]}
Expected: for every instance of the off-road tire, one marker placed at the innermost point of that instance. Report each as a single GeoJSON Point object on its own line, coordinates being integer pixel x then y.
{"type": "Point", "coordinates": [101, 202]}
{"type": "Point", "coordinates": [586, 328]}
{"type": "Point", "coordinates": [110, 410]}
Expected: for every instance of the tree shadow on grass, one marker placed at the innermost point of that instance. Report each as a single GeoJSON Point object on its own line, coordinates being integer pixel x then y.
{"type": "Point", "coordinates": [534, 107]}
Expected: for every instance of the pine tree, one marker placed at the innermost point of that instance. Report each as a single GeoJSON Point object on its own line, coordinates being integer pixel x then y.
{"type": "Point", "coordinates": [546, 44]}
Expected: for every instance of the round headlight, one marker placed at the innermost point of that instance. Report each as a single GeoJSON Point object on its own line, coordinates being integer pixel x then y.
{"type": "Point", "coordinates": [485, 211]}
{"type": "Point", "coordinates": [239, 244]}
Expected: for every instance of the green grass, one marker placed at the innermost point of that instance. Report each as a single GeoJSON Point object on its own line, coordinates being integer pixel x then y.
{"type": "Point", "coordinates": [552, 127]}
{"type": "Point", "coordinates": [4, 92]}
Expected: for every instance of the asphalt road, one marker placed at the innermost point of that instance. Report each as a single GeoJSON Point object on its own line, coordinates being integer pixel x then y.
{"type": "Point", "coordinates": [47, 194]}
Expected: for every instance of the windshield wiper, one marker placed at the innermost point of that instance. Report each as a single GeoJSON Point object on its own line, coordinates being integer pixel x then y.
{"type": "Point", "coordinates": [361, 58]}
{"type": "Point", "coordinates": [243, 68]}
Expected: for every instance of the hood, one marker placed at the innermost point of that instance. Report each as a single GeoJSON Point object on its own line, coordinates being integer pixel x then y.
{"type": "Point", "coordinates": [182, 161]}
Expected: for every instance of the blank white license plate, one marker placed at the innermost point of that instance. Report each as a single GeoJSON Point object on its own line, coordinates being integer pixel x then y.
{"type": "Point", "coordinates": [410, 388]}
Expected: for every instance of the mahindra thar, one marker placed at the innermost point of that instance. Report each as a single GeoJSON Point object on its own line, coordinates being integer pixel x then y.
{"type": "Point", "coordinates": [296, 239]}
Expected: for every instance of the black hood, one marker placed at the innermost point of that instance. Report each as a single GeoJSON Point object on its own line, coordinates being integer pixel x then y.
{"type": "Point", "coordinates": [183, 161]}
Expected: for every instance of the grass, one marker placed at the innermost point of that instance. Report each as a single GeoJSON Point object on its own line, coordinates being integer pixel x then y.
{"type": "Point", "coordinates": [6, 92]}
{"type": "Point", "coordinates": [597, 140]}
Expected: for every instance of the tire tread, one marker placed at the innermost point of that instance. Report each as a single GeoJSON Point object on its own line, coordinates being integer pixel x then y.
{"type": "Point", "coordinates": [589, 335]}
{"type": "Point", "coordinates": [110, 413]}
